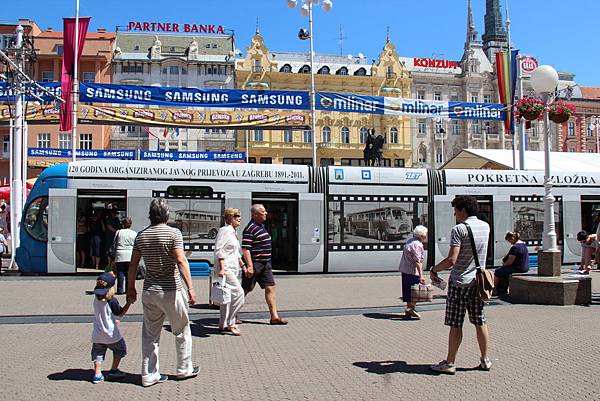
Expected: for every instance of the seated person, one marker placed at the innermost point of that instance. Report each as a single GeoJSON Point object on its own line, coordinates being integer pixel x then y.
{"type": "Point", "coordinates": [589, 243]}
{"type": "Point", "coordinates": [515, 261]}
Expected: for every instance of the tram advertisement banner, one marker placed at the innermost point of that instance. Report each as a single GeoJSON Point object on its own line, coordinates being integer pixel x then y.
{"type": "Point", "coordinates": [201, 156]}
{"type": "Point", "coordinates": [82, 153]}
{"type": "Point", "coordinates": [113, 115]}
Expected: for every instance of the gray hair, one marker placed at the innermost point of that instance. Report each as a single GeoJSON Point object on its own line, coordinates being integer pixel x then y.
{"type": "Point", "coordinates": [159, 211]}
{"type": "Point", "coordinates": [126, 222]}
{"type": "Point", "coordinates": [255, 208]}
{"type": "Point", "coordinates": [420, 231]}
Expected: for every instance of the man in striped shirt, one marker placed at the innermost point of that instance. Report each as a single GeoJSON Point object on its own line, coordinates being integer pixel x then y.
{"type": "Point", "coordinates": [163, 296]}
{"type": "Point", "coordinates": [256, 247]}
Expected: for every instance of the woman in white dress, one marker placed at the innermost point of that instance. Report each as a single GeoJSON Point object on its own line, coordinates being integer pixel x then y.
{"type": "Point", "coordinates": [228, 262]}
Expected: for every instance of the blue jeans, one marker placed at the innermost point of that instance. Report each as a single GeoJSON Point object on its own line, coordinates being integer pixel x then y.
{"type": "Point", "coordinates": [122, 269]}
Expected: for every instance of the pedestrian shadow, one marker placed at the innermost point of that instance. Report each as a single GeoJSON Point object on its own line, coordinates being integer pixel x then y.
{"type": "Point", "coordinates": [387, 367]}
{"type": "Point", "coordinates": [204, 327]}
{"type": "Point", "coordinates": [204, 306]}
{"type": "Point", "coordinates": [85, 375]}
{"type": "Point", "coordinates": [389, 316]}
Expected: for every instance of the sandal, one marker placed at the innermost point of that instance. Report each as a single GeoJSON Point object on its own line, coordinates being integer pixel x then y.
{"type": "Point", "coordinates": [233, 330]}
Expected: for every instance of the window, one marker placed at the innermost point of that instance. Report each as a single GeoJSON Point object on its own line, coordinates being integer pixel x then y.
{"type": "Point", "coordinates": [304, 69]}
{"type": "Point", "coordinates": [89, 76]}
{"type": "Point", "coordinates": [421, 94]}
{"type": "Point", "coordinates": [307, 136]}
{"type": "Point", "coordinates": [258, 135]}
{"type": "Point", "coordinates": [43, 140]}
{"type": "Point", "coordinates": [326, 133]}
{"type": "Point", "coordinates": [6, 41]}
{"type": "Point", "coordinates": [394, 135]}
{"type": "Point", "coordinates": [437, 95]}
{"type": "Point", "coordinates": [36, 219]}
{"type": "Point", "coordinates": [297, 160]}
{"type": "Point", "coordinates": [173, 70]}
{"type": "Point", "coordinates": [454, 97]}
{"type": "Point", "coordinates": [345, 135]}
{"type": "Point", "coordinates": [288, 135]}
{"type": "Point", "coordinates": [6, 145]}
{"type": "Point", "coordinates": [572, 150]}
{"type": "Point", "coordinates": [571, 129]}
{"type": "Point", "coordinates": [422, 126]}
{"type": "Point", "coordinates": [363, 135]}
{"type": "Point", "coordinates": [455, 127]}
{"type": "Point", "coordinates": [47, 76]}
{"type": "Point", "coordinates": [324, 70]}
{"type": "Point", "coordinates": [136, 47]}
{"type": "Point", "coordinates": [64, 141]}
{"type": "Point", "coordinates": [286, 68]}
{"type": "Point", "coordinates": [487, 99]}
{"type": "Point", "coordinates": [266, 160]}
{"type": "Point", "coordinates": [474, 97]}
{"type": "Point", "coordinates": [534, 131]}
{"type": "Point", "coordinates": [342, 71]}
{"type": "Point", "coordinates": [59, 50]}
{"type": "Point", "coordinates": [438, 127]}
{"type": "Point", "coordinates": [590, 131]}
{"type": "Point", "coordinates": [85, 141]}
{"type": "Point", "coordinates": [398, 162]}
{"type": "Point", "coordinates": [476, 127]}
{"type": "Point", "coordinates": [361, 72]}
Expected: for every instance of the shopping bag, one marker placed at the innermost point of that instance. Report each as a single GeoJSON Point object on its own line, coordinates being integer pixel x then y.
{"type": "Point", "coordinates": [220, 294]}
{"type": "Point", "coordinates": [421, 293]}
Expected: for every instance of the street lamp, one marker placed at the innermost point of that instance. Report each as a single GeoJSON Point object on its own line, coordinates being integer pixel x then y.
{"type": "Point", "coordinates": [595, 123]}
{"type": "Point", "coordinates": [543, 81]}
{"type": "Point", "coordinates": [306, 11]}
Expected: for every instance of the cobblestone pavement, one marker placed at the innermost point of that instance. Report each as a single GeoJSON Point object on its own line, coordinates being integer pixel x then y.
{"type": "Point", "coordinates": [357, 350]}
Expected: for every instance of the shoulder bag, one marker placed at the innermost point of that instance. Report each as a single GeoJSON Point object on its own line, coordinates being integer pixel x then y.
{"type": "Point", "coordinates": [220, 294]}
{"type": "Point", "coordinates": [484, 279]}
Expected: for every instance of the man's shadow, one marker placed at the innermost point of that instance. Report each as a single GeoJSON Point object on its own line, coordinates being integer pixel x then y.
{"type": "Point", "coordinates": [389, 316]}
{"type": "Point", "coordinates": [204, 327]}
{"type": "Point", "coordinates": [85, 375]}
{"type": "Point", "coordinates": [386, 367]}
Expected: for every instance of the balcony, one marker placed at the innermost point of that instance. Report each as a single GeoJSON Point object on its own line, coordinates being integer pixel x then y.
{"type": "Point", "coordinates": [441, 136]}
{"type": "Point", "coordinates": [391, 75]}
{"type": "Point", "coordinates": [477, 136]}
{"type": "Point", "coordinates": [493, 137]}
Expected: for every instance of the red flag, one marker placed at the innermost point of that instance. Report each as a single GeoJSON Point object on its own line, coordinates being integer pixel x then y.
{"type": "Point", "coordinates": [68, 67]}
{"type": "Point", "coordinates": [166, 133]}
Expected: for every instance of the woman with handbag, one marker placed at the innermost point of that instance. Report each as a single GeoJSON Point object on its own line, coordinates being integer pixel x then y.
{"type": "Point", "coordinates": [411, 267]}
{"type": "Point", "coordinates": [228, 263]}
{"type": "Point", "coordinates": [121, 251]}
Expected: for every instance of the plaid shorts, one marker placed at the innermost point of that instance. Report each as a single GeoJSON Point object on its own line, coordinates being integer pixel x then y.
{"type": "Point", "coordinates": [459, 300]}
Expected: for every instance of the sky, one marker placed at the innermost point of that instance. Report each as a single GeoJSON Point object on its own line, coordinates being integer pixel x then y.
{"type": "Point", "coordinates": [563, 34]}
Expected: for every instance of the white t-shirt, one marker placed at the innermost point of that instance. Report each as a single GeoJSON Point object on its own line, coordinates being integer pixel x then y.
{"type": "Point", "coordinates": [106, 331]}
{"type": "Point", "coordinates": [227, 247]}
{"type": "Point", "coordinates": [125, 239]}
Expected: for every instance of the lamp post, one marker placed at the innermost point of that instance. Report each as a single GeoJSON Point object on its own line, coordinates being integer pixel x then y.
{"type": "Point", "coordinates": [307, 10]}
{"type": "Point", "coordinates": [595, 123]}
{"type": "Point", "coordinates": [543, 81]}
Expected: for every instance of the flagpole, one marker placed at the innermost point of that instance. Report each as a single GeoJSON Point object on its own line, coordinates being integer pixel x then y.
{"type": "Point", "coordinates": [511, 101]}
{"type": "Point", "coordinates": [75, 83]}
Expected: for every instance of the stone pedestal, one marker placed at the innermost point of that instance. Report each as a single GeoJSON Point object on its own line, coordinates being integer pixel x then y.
{"type": "Point", "coordinates": [544, 290]}
{"type": "Point", "coordinates": [549, 263]}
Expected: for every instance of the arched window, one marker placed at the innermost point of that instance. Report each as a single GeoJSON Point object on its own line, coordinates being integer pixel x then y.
{"type": "Point", "coordinates": [286, 68]}
{"type": "Point", "coordinates": [324, 70]}
{"type": "Point", "coordinates": [345, 135]}
{"type": "Point", "coordinates": [363, 135]}
{"type": "Point", "coordinates": [326, 135]}
{"type": "Point", "coordinates": [305, 69]}
{"type": "Point", "coordinates": [342, 71]}
{"type": "Point", "coordinates": [394, 135]}
{"type": "Point", "coordinates": [360, 72]}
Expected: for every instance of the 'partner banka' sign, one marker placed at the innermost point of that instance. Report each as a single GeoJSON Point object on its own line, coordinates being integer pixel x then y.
{"type": "Point", "coordinates": [146, 26]}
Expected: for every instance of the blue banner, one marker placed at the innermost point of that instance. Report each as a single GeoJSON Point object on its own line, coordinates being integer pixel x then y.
{"type": "Point", "coordinates": [82, 153]}
{"type": "Point", "coordinates": [7, 94]}
{"type": "Point", "coordinates": [202, 156]}
{"type": "Point", "coordinates": [349, 103]}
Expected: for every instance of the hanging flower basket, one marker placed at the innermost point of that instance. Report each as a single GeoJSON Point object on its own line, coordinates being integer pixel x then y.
{"type": "Point", "coordinates": [560, 111]}
{"type": "Point", "coordinates": [529, 108]}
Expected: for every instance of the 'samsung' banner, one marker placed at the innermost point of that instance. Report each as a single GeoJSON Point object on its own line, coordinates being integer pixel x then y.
{"type": "Point", "coordinates": [203, 156]}
{"type": "Point", "coordinates": [168, 97]}
{"type": "Point", "coordinates": [82, 153]}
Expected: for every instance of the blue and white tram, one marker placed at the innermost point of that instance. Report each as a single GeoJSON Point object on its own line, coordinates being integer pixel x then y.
{"type": "Point", "coordinates": [310, 210]}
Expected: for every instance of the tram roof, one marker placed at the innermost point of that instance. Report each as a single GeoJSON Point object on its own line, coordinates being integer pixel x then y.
{"type": "Point", "coordinates": [498, 159]}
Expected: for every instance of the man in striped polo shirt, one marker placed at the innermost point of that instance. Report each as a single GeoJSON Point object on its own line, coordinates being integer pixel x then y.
{"type": "Point", "coordinates": [462, 293]}
{"type": "Point", "coordinates": [256, 247]}
{"type": "Point", "coordinates": [164, 296]}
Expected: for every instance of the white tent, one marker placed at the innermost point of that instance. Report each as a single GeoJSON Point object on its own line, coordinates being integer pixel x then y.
{"type": "Point", "coordinates": [497, 159]}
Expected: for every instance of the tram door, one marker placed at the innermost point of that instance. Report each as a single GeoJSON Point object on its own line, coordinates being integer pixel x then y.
{"type": "Point", "coordinates": [61, 230]}
{"type": "Point", "coordinates": [282, 224]}
{"type": "Point", "coordinates": [590, 210]}
{"type": "Point", "coordinates": [486, 213]}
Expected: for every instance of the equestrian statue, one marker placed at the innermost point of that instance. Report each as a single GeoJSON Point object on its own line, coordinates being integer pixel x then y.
{"type": "Point", "coordinates": [373, 149]}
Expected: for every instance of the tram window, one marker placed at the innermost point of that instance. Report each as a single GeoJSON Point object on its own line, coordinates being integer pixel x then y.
{"type": "Point", "coordinates": [36, 219]}
{"type": "Point", "coordinates": [186, 191]}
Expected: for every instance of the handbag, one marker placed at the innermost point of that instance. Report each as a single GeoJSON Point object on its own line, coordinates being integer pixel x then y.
{"type": "Point", "coordinates": [220, 294]}
{"type": "Point", "coordinates": [421, 293]}
{"type": "Point", "coordinates": [484, 279]}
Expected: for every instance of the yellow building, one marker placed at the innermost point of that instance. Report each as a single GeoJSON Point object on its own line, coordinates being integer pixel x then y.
{"type": "Point", "coordinates": [340, 136]}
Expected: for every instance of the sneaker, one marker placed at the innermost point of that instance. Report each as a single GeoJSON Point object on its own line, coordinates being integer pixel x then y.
{"type": "Point", "coordinates": [98, 378]}
{"type": "Point", "coordinates": [444, 367]}
{"type": "Point", "coordinates": [161, 379]}
{"type": "Point", "coordinates": [114, 374]}
{"type": "Point", "coordinates": [194, 373]}
{"type": "Point", "coordinates": [412, 314]}
{"type": "Point", "coordinates": [485, 364]}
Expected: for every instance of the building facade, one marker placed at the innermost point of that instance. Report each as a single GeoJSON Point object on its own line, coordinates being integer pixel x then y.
{"type": "Point", "coordinates": [174, 60]}
{"type": "Point", "coordinates": [340, 136]}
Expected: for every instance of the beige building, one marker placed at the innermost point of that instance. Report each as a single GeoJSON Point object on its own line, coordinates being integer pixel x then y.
{"type": "Point", "coordinates": [340, 137]}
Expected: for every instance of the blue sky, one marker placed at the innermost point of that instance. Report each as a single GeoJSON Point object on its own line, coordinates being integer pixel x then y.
{"type": "Point", "coordinates": [563, 34]}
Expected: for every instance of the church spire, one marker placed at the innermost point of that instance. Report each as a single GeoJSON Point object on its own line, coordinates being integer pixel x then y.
{"type": "Point", "coordinates": [472, 34]}
{"type": "Point", "coordinates": [494, 38]}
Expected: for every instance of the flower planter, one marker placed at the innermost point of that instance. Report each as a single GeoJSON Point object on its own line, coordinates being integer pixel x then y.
{"type": "Point", "coordinates": [559, 118]}
{"type": "Point", "coordinates": [531, 115]}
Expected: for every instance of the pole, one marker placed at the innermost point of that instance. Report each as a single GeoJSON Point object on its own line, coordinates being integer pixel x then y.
{"type": "Point", "coordinates": [247, 146]}
{"type": "Point", "coordinates": [512, 125]}
{"type": "Point", "coordinates": [16, 190]}
{"type": "Point", "coordinates": [549, 238]}
{"type": "Point", "coordinates": [597, 134]}
{"type": "Point", "coordinates": [522, 140]}
{"type": "Point", "coordinates": [75, 82]}
{"type": "Point", "coordinates": [313, 122]}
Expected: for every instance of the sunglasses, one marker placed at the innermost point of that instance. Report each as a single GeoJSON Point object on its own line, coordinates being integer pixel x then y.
{"type": "Point", "coordinates": [237, 215]}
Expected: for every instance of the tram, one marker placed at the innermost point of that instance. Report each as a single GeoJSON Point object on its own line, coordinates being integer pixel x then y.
{"type": "Point", "coordinates": [314, 214]}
